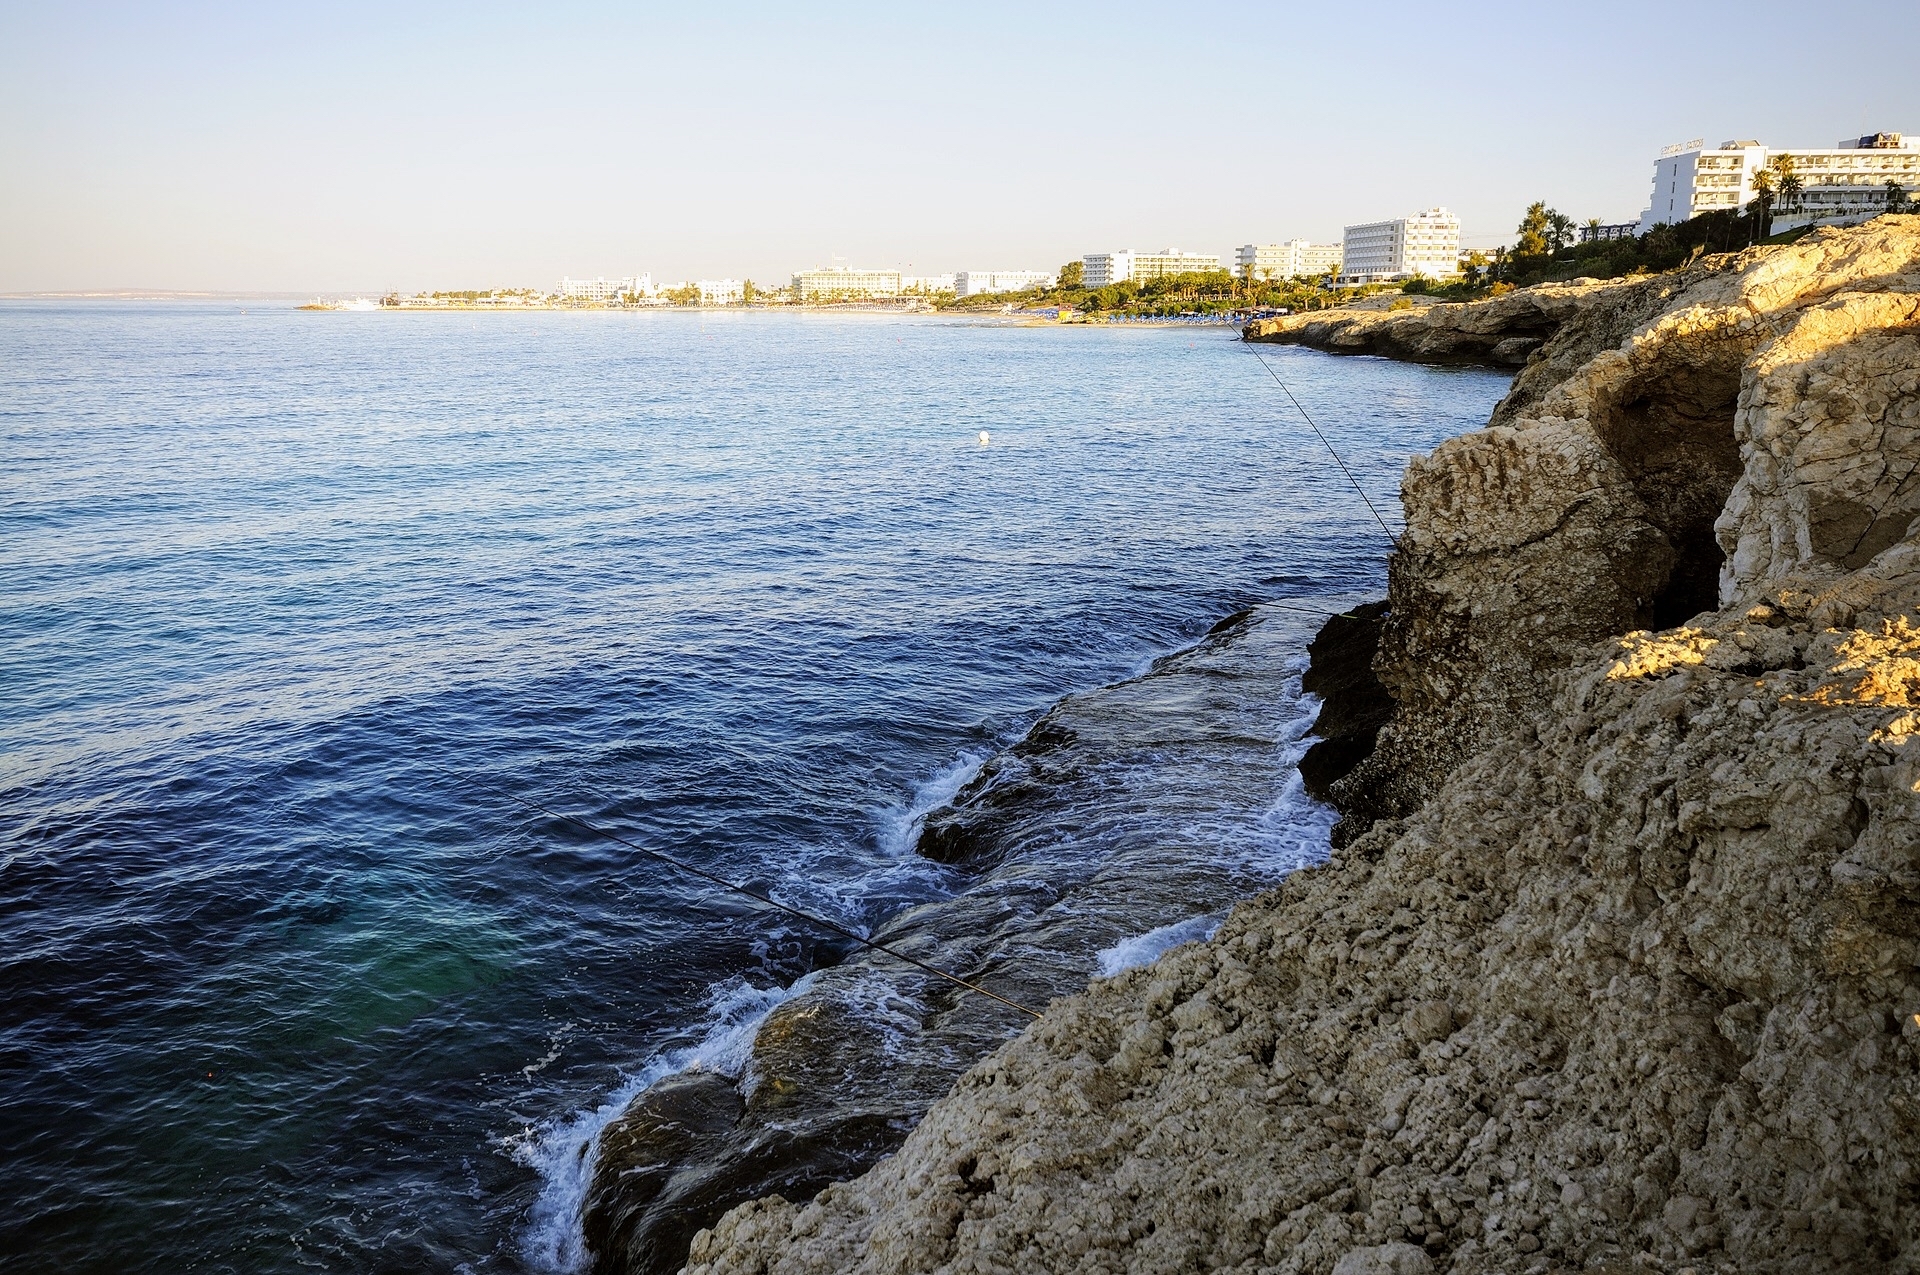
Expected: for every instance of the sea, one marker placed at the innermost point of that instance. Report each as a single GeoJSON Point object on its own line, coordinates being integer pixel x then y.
{"type": "Point", "coordinates": [316, 626]}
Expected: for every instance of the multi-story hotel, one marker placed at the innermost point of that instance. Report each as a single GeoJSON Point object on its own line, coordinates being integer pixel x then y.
{"type": "Point", "coordinates": [971, 283]}
{"type": "Point", "coordinates": [1103, 268]}
{"type": "Point", "coordinates": [1846, 183]}
{"type": "Point", "coordinates": [926, 285]}
{"type": "Point", "coordinates": [839, 282]}
{"type": "Point", "coordinates": [1427, 243]}
{"type": "Point", "coordinates": [721, 291]}
{"type": "Point", "coordinates": [1287, 260]}
{"type": "Point", "coordinates": [605, 289]}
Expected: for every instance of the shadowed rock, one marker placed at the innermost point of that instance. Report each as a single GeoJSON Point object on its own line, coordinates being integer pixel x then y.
{"type": "Point", "coordinates": [1353, 703]}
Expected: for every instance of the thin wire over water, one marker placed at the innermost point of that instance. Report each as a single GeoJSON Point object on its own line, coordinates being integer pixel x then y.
{"type": "Point", "coordinates": [1358, 489]}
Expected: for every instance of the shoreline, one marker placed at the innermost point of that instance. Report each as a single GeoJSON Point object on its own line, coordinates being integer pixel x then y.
{"type": "Point", "coordinates": [1617, 966]}
{"type": "Point", "coordinates": [982, 317]}
{"type": "Point", "coordinates": [1059, 877]}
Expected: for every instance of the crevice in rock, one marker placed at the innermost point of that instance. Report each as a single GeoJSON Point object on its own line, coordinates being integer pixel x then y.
{"type": "Point", "coordinates": [1673, 435]}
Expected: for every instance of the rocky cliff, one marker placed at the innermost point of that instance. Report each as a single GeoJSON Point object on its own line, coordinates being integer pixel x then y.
{"type": "Point", "coordinates": [1675, 441]}
{"type": "Point", "coordinates": [1625, 973]}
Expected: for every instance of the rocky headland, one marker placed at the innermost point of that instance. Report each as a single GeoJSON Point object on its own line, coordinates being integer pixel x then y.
{"type": "Point", "coordinates": [1618, 964]}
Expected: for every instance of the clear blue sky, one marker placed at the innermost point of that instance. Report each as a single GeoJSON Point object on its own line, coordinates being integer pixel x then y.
{"type": "Point", "coordinates": [310, 147]}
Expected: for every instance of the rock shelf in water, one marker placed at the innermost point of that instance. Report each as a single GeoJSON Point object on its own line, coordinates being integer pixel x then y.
{"type": "Point", "coordinates": [1106, 821]}
{"type": "Point", "coordinates": [1624, 971]}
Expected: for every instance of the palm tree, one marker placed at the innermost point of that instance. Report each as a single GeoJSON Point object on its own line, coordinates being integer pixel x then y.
{"type": "Point", "coordinates": [1897, 201]}
{"type": "Point", "coordinates": [1786, 181]}
{"type": "Point", "coordinates": [1762, 205]}
{"type": "Point", "coordinates": [1559, 230]}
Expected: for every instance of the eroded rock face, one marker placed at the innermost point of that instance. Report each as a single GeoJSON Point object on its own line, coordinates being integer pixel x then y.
{"type": "Point", "coordinates": [1676, 444]}
{"type": "Point", "coordinates": [1631, 979]}
{"type": "Point", "coordinates": [1639, 987]}
{"type": "Point", "coordinates": [1830, 427]}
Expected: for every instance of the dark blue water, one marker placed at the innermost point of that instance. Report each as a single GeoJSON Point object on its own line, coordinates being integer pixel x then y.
{"type": "Point", "coordinates": [291, 604]}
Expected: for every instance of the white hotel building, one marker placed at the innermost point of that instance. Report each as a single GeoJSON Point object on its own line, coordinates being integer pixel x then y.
{"type": "Point", "coordinates": [1427, 243]}
{"type": "Point", "coordinates": [841, 283]}
{"type": "Point", "coordinates": [1103, 268]}
{"type": "Point", "coordinates": [1289, 260]}
{"type": "Point", "coordinates": [972, 283]}
{"type": "Point", "coordinates": [605, 289]}
{"type": "Point", "coordinates": [721, 291]}
{"type": "Point", "coordinates": [1845, 183]}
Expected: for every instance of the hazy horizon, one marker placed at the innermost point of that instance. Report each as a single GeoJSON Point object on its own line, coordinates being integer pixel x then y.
{"type": "Point", "coordinates": [218, 149]}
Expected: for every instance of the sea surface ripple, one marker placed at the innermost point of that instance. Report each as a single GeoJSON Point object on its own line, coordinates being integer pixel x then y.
{"type": "Point", "coordinates": [293, 606]}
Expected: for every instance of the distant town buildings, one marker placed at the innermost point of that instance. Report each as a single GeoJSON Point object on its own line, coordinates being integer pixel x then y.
{"type": "Point", "coordinates": [839, 282]}
{"type": "Point", "coordinates": [972, 283]}
{"type": "Point", "coordinates": [1427, 243]}
{"type": "Point", "coordinates": [1287, 260]}
{"type": "Point", "coordinates": [1845, 183]}
{"type": "Point", "coordinates": [1103, 268]}
{"type": "Point", "coordinates": [721, 291]}
{"type": "Point", "coordinates": [605, 289]}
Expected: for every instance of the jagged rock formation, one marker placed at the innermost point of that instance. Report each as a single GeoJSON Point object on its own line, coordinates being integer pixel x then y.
{"type": "Point", "coordinates": [1734, 415]}
{"type": "Point", "coordinates": [1504, 331]}
{"type": "Point", "coordinates": [1637, 984]}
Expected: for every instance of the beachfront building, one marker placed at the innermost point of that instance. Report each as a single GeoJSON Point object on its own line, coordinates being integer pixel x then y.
{"type": "Point", "coordinates": [721, 291]}
{"type": "Point", "coordinates": [926, 285]}
{"type": "Point", "coordinates": [1605, 233]}
{"type": "Point", "coordinates": [1427, 243]}
{"type": "Point", "coordinates": [1840, 185]}
{"type": "Point", "coordinates": [839, 283]}
{"type": "Point", "coordinates": [1103, 268]}
{"type": "Point", "coordinates": [1289, 260]}
{"type": "Point", "coordinates": [606, 289]}
{"type": "Point", "coordinates": [973, 283]}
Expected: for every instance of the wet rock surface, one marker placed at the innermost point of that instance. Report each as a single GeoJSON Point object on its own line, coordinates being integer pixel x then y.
{"type": "Point", "coordinates": [1121, 810]}
{"type": "Point", "coordinates": [1631, 982]}
{"type": "Point", "coordinates": [1354, 705]}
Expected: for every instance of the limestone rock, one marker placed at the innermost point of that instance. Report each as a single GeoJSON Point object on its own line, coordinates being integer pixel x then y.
{"type": "Point", "coordinates": [1384, 1259]}
{"type": "Point", "coordinates": [1668, 898]}
{"type": "Point", "coordinates": [1676, 932]}
{"type": "Point", "coordinates": [1504, 331]}
{"type": "Point", "coordinates": [1678, 443]}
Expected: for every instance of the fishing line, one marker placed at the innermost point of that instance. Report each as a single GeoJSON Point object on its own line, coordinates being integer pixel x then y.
{"type": "Point", "coordinates": [704, 875]}
{"type": "Point", "coordinates": [1391, 538]}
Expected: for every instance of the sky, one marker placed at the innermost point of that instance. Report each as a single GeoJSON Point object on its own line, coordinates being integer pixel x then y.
{"type": "Point", "coordinates": [348, 147]}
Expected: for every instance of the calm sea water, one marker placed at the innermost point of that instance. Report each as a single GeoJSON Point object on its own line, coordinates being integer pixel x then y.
{"type": "Point", "coordinates": [292, 605]}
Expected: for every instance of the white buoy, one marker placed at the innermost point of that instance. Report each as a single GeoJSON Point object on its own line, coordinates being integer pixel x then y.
{"type": "Point", "coordinates": [985, 438]}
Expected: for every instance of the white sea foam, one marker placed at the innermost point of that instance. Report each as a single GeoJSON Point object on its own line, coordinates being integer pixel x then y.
{"type": "Point", "coordinates": [563, 1152]}
{"type": "Point", "coordinates": [1146, 948]}
{"type": "Point", "coordinates": [899, 825]}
